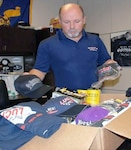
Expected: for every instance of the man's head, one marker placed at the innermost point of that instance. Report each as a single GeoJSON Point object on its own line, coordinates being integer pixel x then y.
{"type": "Point", "coordinates": [72, 20]}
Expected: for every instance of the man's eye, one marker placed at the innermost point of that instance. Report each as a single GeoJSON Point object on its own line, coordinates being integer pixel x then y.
{"type": "Point", "coordinates": [66, 22]}
{"type": "Point", "coordinates": [77, 21]}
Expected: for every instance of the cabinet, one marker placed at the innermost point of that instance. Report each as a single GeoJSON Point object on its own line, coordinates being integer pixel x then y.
{"type": "Point", "coordinates": [17, 41]}
{"type": "Point", "coordinates": [17, 45]}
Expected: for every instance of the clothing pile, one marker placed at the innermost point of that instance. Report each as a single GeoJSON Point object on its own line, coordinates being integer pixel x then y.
{"type": "Point", "coordinates": [23, 121]}
{"type": "Point", "coordinates": [99, 116]}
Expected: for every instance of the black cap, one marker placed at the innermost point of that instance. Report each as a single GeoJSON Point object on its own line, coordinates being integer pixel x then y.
{"type": "Point", "coordinates": [31, 86]}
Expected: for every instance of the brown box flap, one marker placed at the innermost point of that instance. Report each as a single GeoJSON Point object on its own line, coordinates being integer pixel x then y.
{"type": "Point", "coordinates": [105, 96]}
{"type": "Point", "coordinates": [121, 125]}
{"type": "Point", "coordinates": [69, 137]}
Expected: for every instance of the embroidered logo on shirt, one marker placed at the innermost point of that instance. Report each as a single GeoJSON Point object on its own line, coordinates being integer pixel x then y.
{"type": "Point", "coordinates": [93, 48]}
{"type": "Point", "coordinates": [51, 110]}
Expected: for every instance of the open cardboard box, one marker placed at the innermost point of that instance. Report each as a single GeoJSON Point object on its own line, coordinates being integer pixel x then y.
{"type": "Point", "coordinates": [77, 137]}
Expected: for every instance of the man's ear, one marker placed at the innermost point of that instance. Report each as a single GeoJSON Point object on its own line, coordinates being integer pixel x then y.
{"type": "Point", "coordinates": [59, 21]}
{"type": "Point", "coordinates": [84, 20]}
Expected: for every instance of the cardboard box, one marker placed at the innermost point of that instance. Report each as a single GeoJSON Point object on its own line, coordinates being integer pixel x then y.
{"type": "Point", "coordinates": [77, 137]}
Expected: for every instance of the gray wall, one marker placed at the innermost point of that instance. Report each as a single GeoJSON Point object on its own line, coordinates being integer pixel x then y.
{"type": "Point", "coordinates": [44, 10]}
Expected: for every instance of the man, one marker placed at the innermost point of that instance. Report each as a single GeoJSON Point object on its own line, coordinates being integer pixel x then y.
{"type": "Point", "coordinates": [72, 54]}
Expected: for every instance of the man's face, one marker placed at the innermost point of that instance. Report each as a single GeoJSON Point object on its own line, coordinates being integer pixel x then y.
{"type": "Point", "coordinates": [72, 22]}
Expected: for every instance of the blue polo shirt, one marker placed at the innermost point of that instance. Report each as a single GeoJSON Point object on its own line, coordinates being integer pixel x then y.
{"type": "Point", "coordinates": [74, 63]}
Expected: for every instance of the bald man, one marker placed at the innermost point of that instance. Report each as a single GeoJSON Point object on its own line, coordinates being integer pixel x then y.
{"type": "Point", "coordinates": [72, 54]}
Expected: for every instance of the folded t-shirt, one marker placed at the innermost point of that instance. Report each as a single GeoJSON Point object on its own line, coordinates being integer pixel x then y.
{"type": "Point", "coordinates": [11, 136]}
{"type": "Point", "coordinates": [29, 116]}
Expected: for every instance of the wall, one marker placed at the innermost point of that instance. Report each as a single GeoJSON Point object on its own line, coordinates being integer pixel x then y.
{"type": "Point", "coordinates": [44, 10]}
{"type": "Point", "coordinates": [103, 17]}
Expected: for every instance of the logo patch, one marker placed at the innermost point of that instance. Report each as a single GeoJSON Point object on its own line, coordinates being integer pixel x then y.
{"type": "Point", "coordinates": [93, 48]}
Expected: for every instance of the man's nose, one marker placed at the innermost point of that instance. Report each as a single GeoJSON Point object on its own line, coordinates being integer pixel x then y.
{"type": "Point", "coordinates": [72, 25]}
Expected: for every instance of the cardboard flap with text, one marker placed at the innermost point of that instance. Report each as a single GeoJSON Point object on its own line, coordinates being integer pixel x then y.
{"type": "Point", "coordinates": [121, 125]}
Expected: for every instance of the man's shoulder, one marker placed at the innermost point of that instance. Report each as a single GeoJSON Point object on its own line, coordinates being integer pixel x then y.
{"type": "Point", "coordinates": [52, 38]}
{"type": "Point", "coordinates": [92, 35]}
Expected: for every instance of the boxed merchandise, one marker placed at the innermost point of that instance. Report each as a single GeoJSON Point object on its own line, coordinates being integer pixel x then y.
{"type": "Point", "coordinates": [78, 137]}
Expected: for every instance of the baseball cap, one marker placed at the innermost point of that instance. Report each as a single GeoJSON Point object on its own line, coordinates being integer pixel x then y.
{"type": "Point", "coordinates": [31, 86]}
{"type": "Point", "coordinates": [105, 72]}
{"type": "Point", "coordinates": [91, 115]}
{"type": "Point", "coordinates": [58, 105]}
{"type": "Point", "coordinates": [74, 110]}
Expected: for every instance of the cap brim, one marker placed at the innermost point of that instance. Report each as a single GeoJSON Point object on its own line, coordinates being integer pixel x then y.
{"type": "Point", "coordinates": [39, 92]}
{"type": "Point", "coordinates": [74, 110]}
